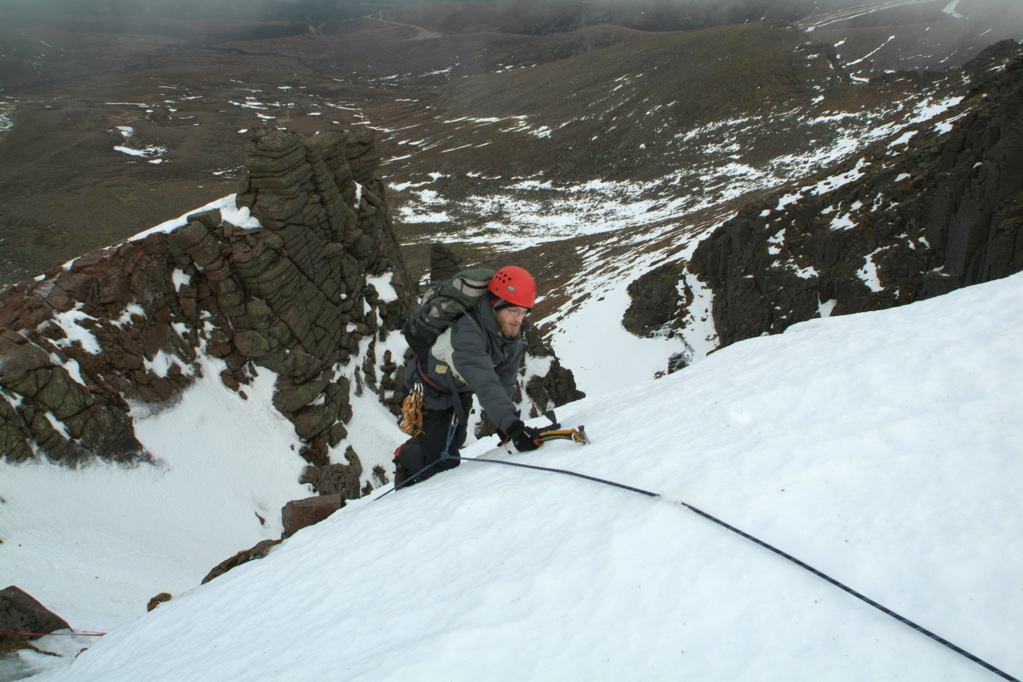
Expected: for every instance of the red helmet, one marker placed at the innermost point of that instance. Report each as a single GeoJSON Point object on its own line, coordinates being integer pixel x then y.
{"type": "Point", "coordinates": [515, 285]}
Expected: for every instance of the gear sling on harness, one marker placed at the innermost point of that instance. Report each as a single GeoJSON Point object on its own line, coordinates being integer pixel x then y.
{"type": "Point", "coordinates": [410, 456]}
{"type": "Point", "coordinates": [411, 421]}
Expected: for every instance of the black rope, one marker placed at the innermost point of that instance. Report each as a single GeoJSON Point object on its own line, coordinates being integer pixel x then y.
{"type": "Point", "coordinates": [560, 471]}
{"type": "Point", "coordinates": [883, 609]}
{"type": "Point", "coordinates": [408, 480]}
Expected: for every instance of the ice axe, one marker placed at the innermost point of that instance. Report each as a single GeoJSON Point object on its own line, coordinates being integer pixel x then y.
{"type": "Point", "coordinates": [555, 432]}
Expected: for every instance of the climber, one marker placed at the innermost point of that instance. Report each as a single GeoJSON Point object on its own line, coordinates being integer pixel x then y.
{"type": "Point", "coordinates": [479, 352]}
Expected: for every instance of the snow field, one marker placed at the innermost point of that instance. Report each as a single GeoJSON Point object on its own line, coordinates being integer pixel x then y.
{"type": "Point", "coordinates": [883, 448]}
{"type": "Point", "coordinates": [127, 534]}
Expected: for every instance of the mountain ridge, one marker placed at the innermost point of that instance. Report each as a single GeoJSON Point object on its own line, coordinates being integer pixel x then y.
{"type": "Point", "coordinates": [186, 101]}
{"type": "Point", "coordinates": [871, 243]}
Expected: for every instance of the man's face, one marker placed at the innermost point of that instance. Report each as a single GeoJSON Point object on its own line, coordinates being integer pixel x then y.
{"type": "Point", "coordinates": [509, 320]}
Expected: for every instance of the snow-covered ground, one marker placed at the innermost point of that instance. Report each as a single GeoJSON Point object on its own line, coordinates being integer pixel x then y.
{"type": "Point", "coordinates": [885, 449]}
{"type": "Point", "coordinates": [95, 544]}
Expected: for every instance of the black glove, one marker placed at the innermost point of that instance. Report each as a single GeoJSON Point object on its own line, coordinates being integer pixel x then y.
{"type": "Point", "coordinates": [523, 437]}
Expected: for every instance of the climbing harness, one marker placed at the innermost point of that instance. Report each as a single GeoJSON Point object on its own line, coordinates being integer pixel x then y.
{"type": "Point", "coordinates": [411, 421]}
{"type": "Point", "coordinates": [902, 619]}
{"type": "Point", "coordinates": [424, 376]}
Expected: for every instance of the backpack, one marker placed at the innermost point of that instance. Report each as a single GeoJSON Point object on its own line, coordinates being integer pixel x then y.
{"type": "Point", "coordinates": [442, 304]}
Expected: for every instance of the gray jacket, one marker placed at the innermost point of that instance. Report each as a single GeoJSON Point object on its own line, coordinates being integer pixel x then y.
{"type": "Point", "coordinates": [472, 357]}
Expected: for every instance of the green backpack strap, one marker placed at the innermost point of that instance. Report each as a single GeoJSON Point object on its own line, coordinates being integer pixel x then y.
{"type": "Point", "coordinates": [444, 303]}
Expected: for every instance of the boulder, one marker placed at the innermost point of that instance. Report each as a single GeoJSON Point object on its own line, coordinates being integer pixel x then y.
{"type": "Point", "coordinates": [260, 550]}
{"type": "Point", "coordinates": [298, 514]}
{"type": "Point", "coordinates": [341, 479]}
{"type": "Point", "coordinates": [157, 600]}
{"type": "Point", "coordinates": [20, 612]}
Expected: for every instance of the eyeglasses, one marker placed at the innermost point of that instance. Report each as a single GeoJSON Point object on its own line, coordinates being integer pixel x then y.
{"type": "Point", "coordinates": [518, 312]}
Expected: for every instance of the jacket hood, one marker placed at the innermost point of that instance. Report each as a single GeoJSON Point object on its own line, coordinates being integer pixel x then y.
{"type": "Point", "coordinates": [485, 313]}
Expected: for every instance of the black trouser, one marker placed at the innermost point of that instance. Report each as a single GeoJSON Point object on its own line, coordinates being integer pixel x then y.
{"type": "Point", "coordinates": [422, 456]}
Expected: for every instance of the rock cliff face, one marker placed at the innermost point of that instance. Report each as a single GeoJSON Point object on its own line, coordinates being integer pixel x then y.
{"type": "Point", "coordinates": [301, 275]}
{"type": "Point", "coordinates": [291, 294]}
{"type": "Point", "coordinates": [655, 300]}
{"type": "Point", "coordinates": [936, 209]}
{"type": "Point", "coordinates": [308, 306]}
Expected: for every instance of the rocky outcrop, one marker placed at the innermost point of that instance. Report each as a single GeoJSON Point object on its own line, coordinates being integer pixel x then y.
{"type": "Point", "coordinates": [325, 228]}
{"type": "Point", "coordinates": [914, 217]}
{"type": "Point", "coordinates": [291, 295]}
{"type": "Point", "coordinates": [548, 385]}
{"type": "Point", "coordinates": [299, 514]}
{"type": "Point", "coordinates": [21, 613]}
{"type": "Point", "coordinates": [259, 551]}
{"type": "Point", "coordinates": [306, 282]}
{"type": "Point", "coordinates": [657, 301]}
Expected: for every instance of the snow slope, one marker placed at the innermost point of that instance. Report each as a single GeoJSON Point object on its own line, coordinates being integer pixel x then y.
{"type": "Point", "coordinates": [885, 449]}
{"type": "Point", "coordinates": [94, 544]}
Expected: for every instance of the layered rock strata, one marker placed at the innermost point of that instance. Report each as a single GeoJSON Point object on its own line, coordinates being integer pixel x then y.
{"type": "Point", "coordinates": [292, 288]}
{"type": "Point", "coordinates": [291, 295]}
